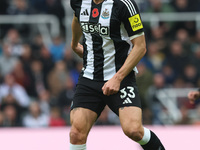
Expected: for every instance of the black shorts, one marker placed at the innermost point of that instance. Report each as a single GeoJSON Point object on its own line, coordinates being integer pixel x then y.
{"type": "Point", "coordinates": [89, 95]}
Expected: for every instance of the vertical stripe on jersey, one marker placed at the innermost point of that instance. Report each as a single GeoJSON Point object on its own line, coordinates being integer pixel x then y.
{"type": "Point", "coordinates": [121, 46]}
{"type": "Point", "coordinates": [97, 46]}
{"type": "Point", "coordinates": [108, 46]}
{"type": "Point", "coordinates": [88, 47]}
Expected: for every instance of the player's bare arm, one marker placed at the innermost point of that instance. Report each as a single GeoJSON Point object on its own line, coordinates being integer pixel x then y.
{"type": "Point", "coordinates": [193, 95]}
{"type": "Point", "coordinates": [138, 51]}
{"type": "Point", "coordinates": [76, 35]}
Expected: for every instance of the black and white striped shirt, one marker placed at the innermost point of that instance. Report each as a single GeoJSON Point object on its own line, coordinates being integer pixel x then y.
{"type": "Point", "coordinates": [108, 29]}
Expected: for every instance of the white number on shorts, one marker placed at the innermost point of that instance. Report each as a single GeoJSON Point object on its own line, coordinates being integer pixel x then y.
{"type": "Point", "coordinates": [130, 94]}
{"type": "Point", "coordinates": [124, 93]}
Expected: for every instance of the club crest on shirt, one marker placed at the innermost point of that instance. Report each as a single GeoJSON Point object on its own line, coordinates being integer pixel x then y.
{"type": "Point", "coordinates": [105, 14]}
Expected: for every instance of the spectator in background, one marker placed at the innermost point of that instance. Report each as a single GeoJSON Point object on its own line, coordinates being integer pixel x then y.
{"type": "Point", "coordinates": [12, 111]}
{"type": "Point", "coordinates": [154, 59]}
{"type": "Point", "coordinates": [196, 41]}
{"type": "Point", "coordinates": [153, 102]}
{"type": "Point", "coordinates": [57, 49]}
{"type": "Point", "coordinates": [6, 68]}
{"type": "Point", "coordinates": [70, 59]}
{"type": "Point", "coordinates": [185, 119]}
{"type": "Point", "coordinates": [26, 58]}
{"type": "Point", "coordinates": [190, 75]}
{"type": "Point", "coordinates": [179, 82]}
{"type": "Point", "coordinates": [11, 118]}
{"type": "Point", "coordinates": [177, 58]}
{"type": "Point", "coordinates": [21, 76]}
{"type": "Point", "coordinates": [47, 61]}
{"type": "Point", "coordinates": [10, 100]}
{"type": "Point", "coordinates": [35, 118]}
{"type": "Point", "coordinates": [181, 5]}
{"type": "Point", "coordinates": [195, 57]}
{"type": "Point", "coordinates": [14, 42]}
{"type": "Point", "coordinates": [65, 97]}
{"type": "Point", "coordinates": [19, 7]}
{"type": "Point", "coordinates": [144, 81]}
{"type": "Point", "coordinates": [45, 101]}
{"type": "Point", "coordinates": [36, 45]}
{"type": "Point", "coordinates": [11, 87]}
{"type": "Point", "coordinates": [55, 118]}
{"type": "Point", "coordinates": [38, 77]}
{"type": "Point", "coordinates": [158, 6]}
{"type": "Point", "coordinates": [75, 72]}
{"type": "Point", "coordinates": [57, 78]}
{"type": "Point", "coordinates": [1, 119]}
{"type": "Point", "coordinates": [183, 36]}
{"type": "Point", "coordinates": [168, 74]}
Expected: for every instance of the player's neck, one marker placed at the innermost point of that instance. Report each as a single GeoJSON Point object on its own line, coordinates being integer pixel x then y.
{"type": "Point", "coordinates": [98, 1]}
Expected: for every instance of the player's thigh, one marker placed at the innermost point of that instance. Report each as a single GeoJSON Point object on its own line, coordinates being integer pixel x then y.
{"type": "Point", "coordinates": [82, 119]}
{"type": "Point", "coordinates": [130, 117]}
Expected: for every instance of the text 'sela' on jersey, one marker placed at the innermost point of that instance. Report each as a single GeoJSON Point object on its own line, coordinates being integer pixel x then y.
{"type": "Point", "coordinates": [136, 22]}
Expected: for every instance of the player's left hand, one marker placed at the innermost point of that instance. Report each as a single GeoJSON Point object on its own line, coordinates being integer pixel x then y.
{"type": "Point", "coordinates": [111, 87]}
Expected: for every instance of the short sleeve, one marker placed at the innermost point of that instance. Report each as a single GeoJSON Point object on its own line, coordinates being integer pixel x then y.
{"type": "Point", "coordinates": [74, 5]}
{"type": "Point", "coordinates": [130, 16]}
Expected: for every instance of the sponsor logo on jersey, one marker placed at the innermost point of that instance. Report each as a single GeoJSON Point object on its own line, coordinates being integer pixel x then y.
{"type": "Point", "coordinates": [94, 28]}
{"type": "Point", "coordinates": [105, 14]}
{"type": "Point", "coordinates": [95, 13]}
{"type": "Point", "coordinates": [136, 22]}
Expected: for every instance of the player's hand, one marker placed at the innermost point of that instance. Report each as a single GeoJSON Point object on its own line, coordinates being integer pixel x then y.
{"type": "Point", "coordinates": [111, 87]}
{"type": "Point", "coordinates": [193, 95]}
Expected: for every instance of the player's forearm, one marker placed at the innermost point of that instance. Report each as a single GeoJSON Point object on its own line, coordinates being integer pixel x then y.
{"type": "Point", "coordinates": [76, 35]}
{"type": "Point", "coordinates": [132, 60]}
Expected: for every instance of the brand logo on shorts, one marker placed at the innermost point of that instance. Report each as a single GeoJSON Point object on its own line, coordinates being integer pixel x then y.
{"type": "Point", "coordinates": [127, 101]}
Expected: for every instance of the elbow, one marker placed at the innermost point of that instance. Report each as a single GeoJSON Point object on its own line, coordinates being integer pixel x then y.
{"type": "Point", "coordinates": [72, 46]}
{"type": "Point", "coordinates": [143, 50]}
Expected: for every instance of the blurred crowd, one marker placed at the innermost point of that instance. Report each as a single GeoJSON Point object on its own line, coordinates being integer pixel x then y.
{"type": "Point", "coordinates": [37, 81]}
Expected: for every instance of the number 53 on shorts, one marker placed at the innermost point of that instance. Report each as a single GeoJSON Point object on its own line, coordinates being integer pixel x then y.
{"type": "Point", "coordinates": [127, 94]}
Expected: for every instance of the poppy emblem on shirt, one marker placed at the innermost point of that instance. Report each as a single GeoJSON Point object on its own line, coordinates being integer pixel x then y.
{"type": "Point", "coordinates": [95, 13]}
